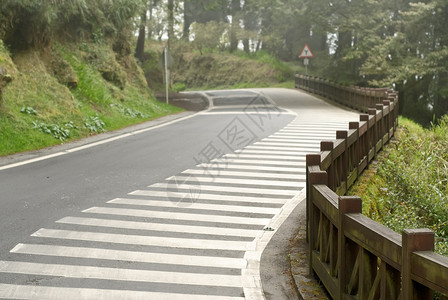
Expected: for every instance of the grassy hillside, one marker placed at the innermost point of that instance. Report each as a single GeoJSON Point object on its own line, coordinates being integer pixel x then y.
{"type": "Point", "coordinates": [409, 189]}
{"type": "Point", "coordinates": [69, 91]}
{"type": "Point", "coordinates": [192, 70]}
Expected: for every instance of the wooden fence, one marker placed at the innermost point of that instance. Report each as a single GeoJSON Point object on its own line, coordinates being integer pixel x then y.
{"type": "Point", "coordinates": [354, 256]}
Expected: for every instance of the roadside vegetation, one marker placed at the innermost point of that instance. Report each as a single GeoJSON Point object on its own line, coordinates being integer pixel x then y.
{"type": "Point", "coordinates": [212, 69]}
{"type": "Point", "coordinates": [409, 186]}
{"type": "Point", "coordinates": [73, 92]}
{"type": "Point", "coordinates": [67, 71]}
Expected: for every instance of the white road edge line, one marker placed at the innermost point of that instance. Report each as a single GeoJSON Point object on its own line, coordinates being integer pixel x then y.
{"type": "Point", "coordinates": [94, 144]}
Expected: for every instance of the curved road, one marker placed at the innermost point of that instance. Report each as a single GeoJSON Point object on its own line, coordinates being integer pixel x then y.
{"type": "Point", "coordinates": [182, 209]}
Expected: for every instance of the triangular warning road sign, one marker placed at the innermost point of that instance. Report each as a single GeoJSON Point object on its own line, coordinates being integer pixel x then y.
{"type": "Point", "coordinates": [306, 52]}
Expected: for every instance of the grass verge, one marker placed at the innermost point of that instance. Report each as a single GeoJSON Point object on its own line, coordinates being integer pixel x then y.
{"type": "Point", "coordinates": [409, 186]}
{"type": "Point", "coordinates": [71, 92]}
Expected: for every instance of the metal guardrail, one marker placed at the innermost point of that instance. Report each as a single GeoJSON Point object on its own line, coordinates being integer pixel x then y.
{"type": "Point", "coordinates": [354, 256]}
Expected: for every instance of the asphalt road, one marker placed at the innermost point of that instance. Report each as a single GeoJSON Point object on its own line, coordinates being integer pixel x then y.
{"type": "Point", "coordinates": [40, 202]}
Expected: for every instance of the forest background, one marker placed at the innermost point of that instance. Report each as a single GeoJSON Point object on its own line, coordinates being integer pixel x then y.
{"type": "Point", "coordinates": [378, 43]}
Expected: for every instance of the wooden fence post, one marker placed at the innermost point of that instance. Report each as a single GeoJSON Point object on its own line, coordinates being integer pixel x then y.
{"type": "Point", "coordinates": [342, 134]}
{"type": "Point", "coordinates": [414, 240]}
{"type": "Point", "coordinates": [311, 160]}
{"type": "Point", "coordinates": [324, 147]}
{"type": "Point", "coordinates": [346, 255]}
{"type": "Point", "coordinates": [314, 177]}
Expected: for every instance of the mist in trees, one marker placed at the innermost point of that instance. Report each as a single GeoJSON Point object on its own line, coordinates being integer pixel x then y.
{"type": "Point", "coordinates": [400, 43]}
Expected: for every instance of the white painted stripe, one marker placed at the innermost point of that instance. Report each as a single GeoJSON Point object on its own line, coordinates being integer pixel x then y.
{"type": "Point", "coordinates": [302, 151]}
{"type": "Point", "coordinates": [29, 161]}
{"type": "Point", "coordinates": [134, 256]}
{"type": "Point", "coordinates": [304, 148]}
{"type": "Point", "coordinates": [244, 174]}
{"type": "Point", "coordinates": [128, 239]}
{"type": "Point", "coordinates": [119, 274]}
{"type": "Point", "coordinates": [293, 153]}
{"type": "Point", "coordinates": [316, 128]}
{"type": "Point", "coordinates": [107, 140]}
{"type": "Point", "coordinates": [220, 188]}
{"type": "Point", "coordinates": [241, 113]}
{"type": "Point", "coordinates": [297, 144]}
{"type": "Point", "coordinates": [159, 227]}
{"type": "Point", "coordinates": [176, 216]}
{"type": "Point", "coordinates": [312, 127]}
{"type": "Point", "coordinates": [251, 182]}
{"type": "Point", "coordinates": [288, 144]}
{"type": "Point", "coordinates": [239, 167]}
{"type": "Point", "coordinates": [198, 206]}
{"type": "Point", "coordinates": [293, 139]}
{"type": "Point", "coordinates": [298, 134]}
{"type": "Point", "coordinates": [305, 136]}
{"type": "Point", "coordinates": [337, 123]}
{"type": "Point", "coordinates": [258, 162]}
{"type": "Point", "coordinates": [277, 157]}
{"type": "Point", "coordinates": [10, 291]}
{"type": "Point", "coordinates": [211, 197]}
{"type": "Point", "coordinates": [269, 152]}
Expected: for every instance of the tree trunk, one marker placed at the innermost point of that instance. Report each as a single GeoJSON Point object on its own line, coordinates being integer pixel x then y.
{"type": "Point", "coordinates": [140, 48]}
{"type": "Point", "coordinates": [188, 19]}
{"type": "Point", "coordinates": [236, 9]}
{"type": "Point", "coordinates": [170, 22]}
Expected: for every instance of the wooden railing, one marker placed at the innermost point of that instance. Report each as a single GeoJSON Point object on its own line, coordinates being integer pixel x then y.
{"type": "Point", "coordinates": [359, 98]}
{"type": "Point", "coordinates": [354, 256]}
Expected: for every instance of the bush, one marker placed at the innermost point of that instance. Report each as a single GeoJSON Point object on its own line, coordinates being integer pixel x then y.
{"type": "Point", "coordinates": [410, 189]}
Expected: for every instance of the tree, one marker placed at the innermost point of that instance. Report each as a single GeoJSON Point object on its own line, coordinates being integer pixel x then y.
{"type": "Point", "coordinates": [140, 47]}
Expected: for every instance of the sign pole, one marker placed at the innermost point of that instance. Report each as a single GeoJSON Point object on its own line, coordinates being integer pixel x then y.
{"type": "Point", "coordinates": [306, 62]}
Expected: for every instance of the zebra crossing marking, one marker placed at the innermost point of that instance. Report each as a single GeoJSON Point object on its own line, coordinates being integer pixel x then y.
{"type": "Point", "coordinates": [211, 197]}
{"type": "Point", "coordinates": [273, 171]}
{"type": "Point", "coordinates": [133, 256]}
{"type": "Point", "coordinates": [141, 240]}
{"type": "Point", "coordinates": [151, 226]}
{"type": "Point", "coordinates": [177, 215]}
{"type": "Point", "coordinates": [11, 291]}
{"type": "Point", "coordinates": [104, 273]}
{"type": "Point", "coordinates": [199, 206]}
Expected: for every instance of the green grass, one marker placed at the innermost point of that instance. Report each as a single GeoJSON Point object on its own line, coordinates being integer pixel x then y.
{"type": "Point", "coordinates": [410, 187]}
{"type": "Point", "coordinates": [38, 111]}
{"type": "Point", "coordinates": [221, 70]}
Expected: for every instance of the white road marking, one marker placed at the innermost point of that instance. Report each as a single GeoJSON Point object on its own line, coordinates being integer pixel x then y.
{"type": "Point", "coordinates": [271, 157]}
{"type": "Point", "coordinates": [312, 147]}
{"type": "Point", "coordinates": [277, 152]}
{"type": "Point", "coordinates": [198, 206]}
{"type": "Point", "coordinates": [11, 291]}
{"type": "Point", "coordinates": [271, 152]}
{"type": "Point", "coordinates": [150, 226]}
{"type": "Point", "coordinates": [227, 189]}
{"type": "Point", "coordinates": [204, 196]}
{"type": "Point", "coordinates": [245, 174]}
{"type": "Point", "coordinates": [257, 162]}
{"type": "Point", "coordinates": [133, 256]}
{"type": "Point", "coordinates": [128, 239]}
{"type": "Point", "coordinates": [177, 216]}
{"type": "Point", "coordinates": [239, 167]}
{"type": "Point", "coordinates": [250, 182]}
{"type": "Point", "coordinates": [91, 145]}
{"type": "Point", "coordinates": [72, 271]}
